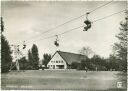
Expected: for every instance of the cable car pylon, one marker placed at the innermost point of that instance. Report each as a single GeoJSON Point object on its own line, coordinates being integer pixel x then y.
{"type": "Point", "coordinates": [17, 54]}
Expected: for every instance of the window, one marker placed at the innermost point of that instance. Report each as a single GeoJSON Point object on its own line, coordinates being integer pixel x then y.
{"type": "Point", "coordinates": [56, 61]}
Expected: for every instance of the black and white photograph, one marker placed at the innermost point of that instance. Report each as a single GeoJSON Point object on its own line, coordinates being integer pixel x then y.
{"type": "Point", "coordinates": [64, 45]}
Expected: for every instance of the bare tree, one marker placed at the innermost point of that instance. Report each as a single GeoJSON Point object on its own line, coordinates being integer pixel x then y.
{"type": "Point", "coordinates": [86, 51]}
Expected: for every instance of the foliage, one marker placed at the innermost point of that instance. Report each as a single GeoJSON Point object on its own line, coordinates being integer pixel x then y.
{"type": "Point", "coordinates": [98, 63]}
{"type": "Point", "coordinates": [23, 63]}
{"type": "Point", "coordinates": [120, 47]}
{"type": "Point", "coordinates": [46, 59]}
{"type": "Point", "coordinates": [6, 58]}
{"type": "Point", "coordinates": [94, 63]}
{"type": "Point", "coordinates": [113, 63]}
{"type": "Point", "coordinates": [33, 58]}
{"type": "Point", "coordinates": [30, 60]}
{"type": "Point", "coordinates": [82, 65]}
{"type": "Point", "coordinates": [2, 25]}
{"type": "Point", "coordinates": [74, 65]}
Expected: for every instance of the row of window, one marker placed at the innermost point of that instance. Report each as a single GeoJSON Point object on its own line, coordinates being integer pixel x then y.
{"type": "Point", "coordinates": [56, 61]}
{"type": "Point", "coordinates": [51, 65]}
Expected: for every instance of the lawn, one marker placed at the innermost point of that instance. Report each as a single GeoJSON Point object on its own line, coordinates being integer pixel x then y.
{"type": "Point", "coordinates": [64, 80]}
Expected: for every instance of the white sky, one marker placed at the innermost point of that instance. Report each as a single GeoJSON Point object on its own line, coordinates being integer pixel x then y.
{"type": "Point", "coordinates": [26, 19]}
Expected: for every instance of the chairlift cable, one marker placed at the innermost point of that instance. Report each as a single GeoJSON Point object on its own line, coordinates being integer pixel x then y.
{"type": "Point", "coordinates": [79, 26]}
{"type": "Point", "coordinates": [102, 6]}
{"type": "Point", "coordinates": [72, 19]}
{"type": "Point", "coordinates": [108, 16]}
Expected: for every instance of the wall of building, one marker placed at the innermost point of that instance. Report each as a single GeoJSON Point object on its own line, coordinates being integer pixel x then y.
{"type": "Point", "coordinates": [56, 61]}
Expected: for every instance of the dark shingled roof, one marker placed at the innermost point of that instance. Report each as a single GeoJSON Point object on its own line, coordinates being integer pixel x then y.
{"type": "Point", "coordinates": [71, 57]}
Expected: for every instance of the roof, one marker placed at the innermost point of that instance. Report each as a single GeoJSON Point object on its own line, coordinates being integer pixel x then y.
{"type": "Point", "coordinates": [71, 57]}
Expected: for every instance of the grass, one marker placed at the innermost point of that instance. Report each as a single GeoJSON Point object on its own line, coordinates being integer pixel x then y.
{"type": "Point", "coordinates": [66, 80]}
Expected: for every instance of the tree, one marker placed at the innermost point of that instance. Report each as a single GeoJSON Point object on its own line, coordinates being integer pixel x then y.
{"type": "Point", "coordinates": [113, 62]}
{"type": "Point", "coordinates": [99, 63]}
{"type": "Point", "coordinates": [81, 65]}
{"type": "Point", "coordinates": [23, 63]}
{"type": "Point", "coordinates": [6, 58]}
{"type": "Point", "coordinates": [86, 51]}
{"type": "Point", "coordinates": [35, 57]}
{"type": "Point", "coordinates": [46, 59]}
{"type": "Point", "coordinates": [30, 60]}
{"type": "Point", "coordinates": [74, 65]}
{"type": "Point", "coordinates": [120, 47]}
{"type": "Point", "coordinates": [85, 64]}
{"type": "Point", "coordinates": [2, 25]}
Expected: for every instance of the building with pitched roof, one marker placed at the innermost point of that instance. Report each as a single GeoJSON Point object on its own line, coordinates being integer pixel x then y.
{"type": "Point", "coordinates": [63, 60]}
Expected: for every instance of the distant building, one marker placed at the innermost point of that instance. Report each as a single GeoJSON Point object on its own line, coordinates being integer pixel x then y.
{"type": "Point", "coordinates": [63, 60]}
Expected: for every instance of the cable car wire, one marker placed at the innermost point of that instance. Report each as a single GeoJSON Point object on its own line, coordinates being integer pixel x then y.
{"type": "Point", "coordinates": [108, 16]}
{"type": "Point", "coordinates": [101, 6]}
{"type": "Point", "coordinates": [80, 26]}
{"type": "Point", "coordinates": [71, 20]}
{"type": "Point", "coordinates": [58, 34]}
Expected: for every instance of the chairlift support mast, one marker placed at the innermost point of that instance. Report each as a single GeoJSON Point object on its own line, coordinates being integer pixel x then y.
{"type": "Point", "coordinates": [17, 54]}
